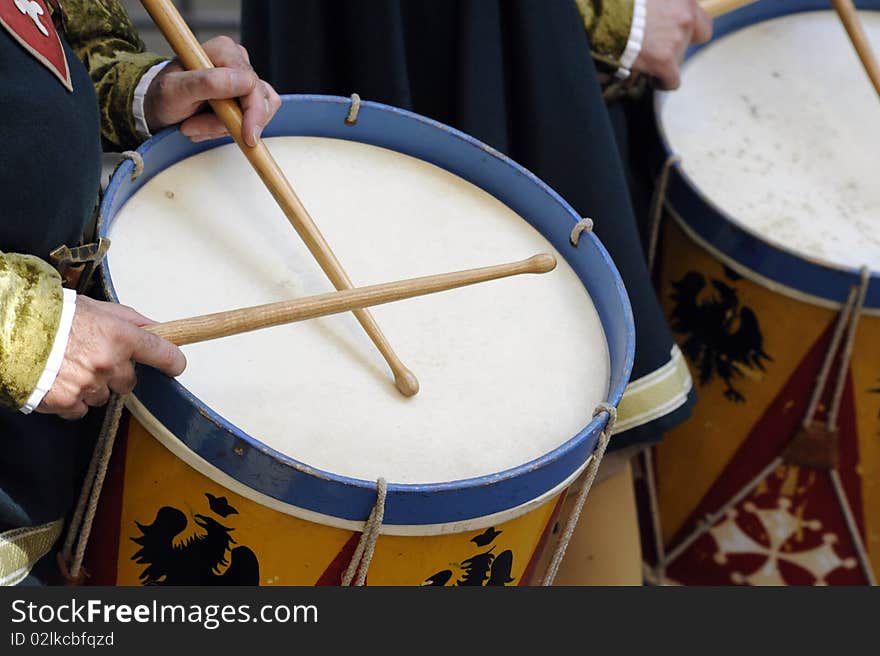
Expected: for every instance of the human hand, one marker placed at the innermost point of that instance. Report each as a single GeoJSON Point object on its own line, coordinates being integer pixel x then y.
{"type": "Point", "coordinates": [177, 96]}
{"type": "Point", "coordinates": [671, 26]}
{"type": "Point", "coordinates": [105, 341]}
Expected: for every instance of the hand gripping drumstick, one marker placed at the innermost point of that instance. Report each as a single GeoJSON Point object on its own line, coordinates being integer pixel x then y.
{"type": "Point", "coordinates": [193, 57]}
{"type": "Point", "coordinates": [850, 19]}
{"type": "Point", "coordinates": [233, 322]}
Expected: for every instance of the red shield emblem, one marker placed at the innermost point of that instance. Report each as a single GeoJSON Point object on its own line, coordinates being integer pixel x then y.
{"type": "Point", "coordinates": [29, 23]}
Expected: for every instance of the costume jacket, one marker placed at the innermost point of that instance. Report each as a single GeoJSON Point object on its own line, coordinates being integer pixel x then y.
{"type": "Point", "coordinates": [67, 78]}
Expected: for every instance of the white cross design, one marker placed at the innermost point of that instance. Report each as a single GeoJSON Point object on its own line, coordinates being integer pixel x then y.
{"type": "Point", "coordinates": [34, 10]}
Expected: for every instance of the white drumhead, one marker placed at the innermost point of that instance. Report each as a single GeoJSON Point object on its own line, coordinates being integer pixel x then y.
{"type": "Point", "coordinates": [779, 126]}
{"type": "Point", "coordinates": [509, 370]}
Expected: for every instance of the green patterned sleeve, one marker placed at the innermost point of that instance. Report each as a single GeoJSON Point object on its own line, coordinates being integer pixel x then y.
{"type": "Point", "coordinates": [608, 23]}
{"type": "Point", "coordinates": [31, 299]}
{"type": "Point", "coordinates": [103, 37]}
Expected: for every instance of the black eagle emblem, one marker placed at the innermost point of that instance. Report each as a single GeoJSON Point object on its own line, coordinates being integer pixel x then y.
{"type": "Point", "coordinates": [197, 559]}
{"type": "Point", "coordinates": [482, 569]}
{"type": "Point", "coordinates": [722, 336]}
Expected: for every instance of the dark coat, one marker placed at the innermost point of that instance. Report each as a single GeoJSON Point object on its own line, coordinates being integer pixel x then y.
{"type": "Point", "coordinates": [49, 182]}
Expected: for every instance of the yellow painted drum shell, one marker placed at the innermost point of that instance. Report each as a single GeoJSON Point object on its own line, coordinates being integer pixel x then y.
{"type": "Point", "coordinates": [792, 528]}
{"type": "Point", "coordinates": [149, 486]}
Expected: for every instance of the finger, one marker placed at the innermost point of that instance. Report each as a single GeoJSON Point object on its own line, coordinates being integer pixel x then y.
{"type": "Point", "coordinates": [702, 26]}
{"type": "Point", "coordinates": [201, 139]}
{"type": "Point", "coordinates": [258, 108]}
{"type": "Point", "coordinates": [669, 77]}
{"type": "Point", "coordinates": [195, 87]}
{"type": "Point", "coordinates": [96, 396]}
{"type": "Point", "coordinates": [77, 411]}
{"type": "Point", "coordinates": [223, 51]}
{"type": "Point", "coordinates": [124, 380]}
{"type": "Point", "coordinates": [127, 314]}
{"type": "Point", "coordinates": [275, 101]}
{"type": "Point", "coordinates": [203, 126]}
{"type": "Point", "coordinates": [156, 352]}
{"type": "Point", "coordinates": [65, 396]}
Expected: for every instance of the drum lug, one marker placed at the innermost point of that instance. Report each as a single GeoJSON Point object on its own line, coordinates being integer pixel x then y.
{"type": "Point", "coordinates": [814, 445]}
{"type": "Point", "coordinates": [77, 265]}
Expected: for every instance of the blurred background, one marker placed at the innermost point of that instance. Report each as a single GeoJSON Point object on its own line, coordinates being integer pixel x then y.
{"type": "Point", "coordinates": [207, 18]}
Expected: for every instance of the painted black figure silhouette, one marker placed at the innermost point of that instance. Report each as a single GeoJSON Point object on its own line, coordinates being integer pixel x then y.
{"type": "Point", "coordinates": [486, 537]}
{"type": "Point", "coordinates": [197, 559]}
{"type": "Point", "coordinates": [482, 569]}
{"type": "Point", "coordinates": [722, 336]}
{"type": "Point", "coordinates": [220, 506]}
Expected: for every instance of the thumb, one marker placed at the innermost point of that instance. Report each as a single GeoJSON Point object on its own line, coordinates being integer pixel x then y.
{"type": "Point", "coordinates": [156, 352]}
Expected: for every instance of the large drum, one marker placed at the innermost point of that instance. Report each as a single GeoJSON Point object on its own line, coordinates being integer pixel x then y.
{"type": "Point", "coordinates": [260, 464]}
{"type": "Point", "coordinates": [768, 271]}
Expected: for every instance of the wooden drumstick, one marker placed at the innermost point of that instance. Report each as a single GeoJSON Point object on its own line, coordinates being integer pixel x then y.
{"type": "Point", "coordinates": [716, 8]}
{"type": "Point", "coordinates": [233, 322]}
{"type": "Point", "coordinates": [850, 19]}
{"type": "Point", "coordinates": [193, 57]}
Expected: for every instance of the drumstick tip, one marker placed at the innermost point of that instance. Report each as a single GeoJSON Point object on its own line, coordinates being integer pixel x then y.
{"type": "Point", "coordinates": [541, 263]}
{"type": "Point", "coordinates": [406, 382]}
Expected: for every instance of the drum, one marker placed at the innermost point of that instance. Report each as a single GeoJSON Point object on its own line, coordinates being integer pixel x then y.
{"type": "Point", "coordinates": [263, 461]}
{"type": "Point", "coordinates": [767, 268]}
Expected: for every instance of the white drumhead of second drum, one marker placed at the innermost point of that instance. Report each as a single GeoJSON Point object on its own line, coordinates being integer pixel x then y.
{"type": "Point", "coordinates": [509, 370]}
{"type": "Point", "coordinates": [778, 125]}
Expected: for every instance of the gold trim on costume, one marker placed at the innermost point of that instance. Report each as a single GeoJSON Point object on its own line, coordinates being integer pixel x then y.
{"type": "Point", "coordinates": [21, 548]}
{"type": "Point", "coordinates": [660, 392]}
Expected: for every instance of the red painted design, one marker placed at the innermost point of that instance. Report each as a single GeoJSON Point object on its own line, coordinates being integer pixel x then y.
{"type": "Point", "coordinates": [529, 572]}
{"type": "Point", "coordinates": [791, 520]}
{"type": "Point", "coordinates": [29, 23]}
{"type": "Point", "coordinates": [333, 574]}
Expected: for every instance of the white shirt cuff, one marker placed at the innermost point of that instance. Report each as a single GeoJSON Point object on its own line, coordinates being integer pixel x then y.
{"type": "Point", "coordinates": [140, 92]}
{"type": "Point", "coordinates": [636, 39]}
{"type": "Point", "coordinates": [56, 355]}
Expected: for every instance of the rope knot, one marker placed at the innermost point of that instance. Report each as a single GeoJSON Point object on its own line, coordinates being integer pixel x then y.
{"type": "Point", "coordinates": [70, 579]}
{"type": "Point", "coordinates": [584, 225]}
{"type": "Point", "coordinates": [612, 415]}
{"type": "Point", "coordinates": [352, 117]}
{"type": "Point", "coordinates": [136, 160]}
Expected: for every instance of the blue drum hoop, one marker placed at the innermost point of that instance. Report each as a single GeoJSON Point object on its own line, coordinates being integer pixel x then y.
{"type": "Point", "coordinates": [250, 462]}
{"type": "Point", "coordinates": [814, 279]}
